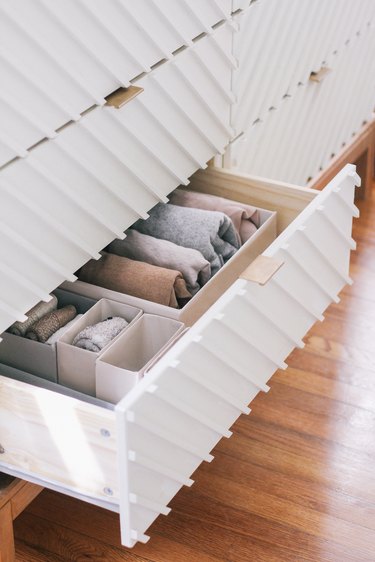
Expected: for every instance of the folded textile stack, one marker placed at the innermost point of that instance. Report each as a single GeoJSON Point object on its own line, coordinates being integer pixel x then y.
{"type": "Point", "coordinates": [210, 232]}
{"type": "Point", "coordinates": [245, 218]}
{"type": "Point", "coordinates": [34, 314]}
{"type": "Point", "coordinates": [61, 331]}
{"type": "Point", "coordinates": [136, 278]}
{"type": "Point", "coordinates": [45, 322]}
{"type": "Point", "coordinates": [168, 257]}
{"type": "Point", "coordinates": [49, 324]}
{"type": "Point", "coordinates": [194, 268]}
{"type": "Point", "coordinates": [97, 336]}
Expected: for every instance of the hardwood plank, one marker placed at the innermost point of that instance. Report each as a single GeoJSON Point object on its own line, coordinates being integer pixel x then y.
{"type": "Point", "coordinates": [104, 527]}
{"type": "Point", "coordinates": [27, 554]}
{"type": "Point", "coordinates": [24, 496]}
{"type": "Point", "coordinates": [66, 543]}
{"type": "Point", "coordinates": [7, 551]}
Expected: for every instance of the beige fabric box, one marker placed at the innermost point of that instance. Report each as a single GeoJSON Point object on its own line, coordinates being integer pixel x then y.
{"type": "Point", "coordinates": [125, 361]}
{"type": "Point", "coordinates": [210, 292]}
{"type": "Point", "coordinates": [37, 358]}
{"type": "Point", "coordinates": [76, 366]}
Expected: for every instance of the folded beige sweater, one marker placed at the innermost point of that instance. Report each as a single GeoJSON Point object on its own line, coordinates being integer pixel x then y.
{"type": "Point", "coordinates": [137, 246]}
{"type": "Point", "coordinates": [136, 278]}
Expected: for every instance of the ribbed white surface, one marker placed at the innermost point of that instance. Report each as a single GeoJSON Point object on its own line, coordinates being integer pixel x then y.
{"type": "Point", "coordinates": [297, 139]}
{"type": "Point", "coordinates": [57, 59]}
{"type": "Point", "coordinates": [169, 423]}
{"type": "Point", "coordinates": [73, 195]}
{"type": "Point", "coordinates": [281, 43]}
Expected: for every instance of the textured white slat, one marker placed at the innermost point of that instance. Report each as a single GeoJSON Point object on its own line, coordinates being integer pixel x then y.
{"type": "Point", "coordinates": [57, 59]}
{"type": "Point", "coordinates": [192, 396]}
{"type": "Point", "coordinates": [73, 194]}
{"type": "Point", "coordinates": [279, 45]}
{"type": "Point", "coordinates": [295, 141]}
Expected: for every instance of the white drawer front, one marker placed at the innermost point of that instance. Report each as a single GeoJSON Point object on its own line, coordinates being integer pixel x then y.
{"type": "Point", "coordinates": [58, 59]}
{"type": "Point", "coordinates": [297, 139]}
{"type": "Point", "coordinates": [170, 422]}
{"type": "Point", "coordinates": [279, 45]}
{"type": "Point", "coordinates": [73, 195]}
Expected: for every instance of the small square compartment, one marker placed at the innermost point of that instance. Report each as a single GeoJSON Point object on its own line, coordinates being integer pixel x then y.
{"type": "Point", "coordinates": [34, 357]}
{"type": "Point", "coordinates": [76, 366]}
{"type": "Point", "coordinates": [123, 364]}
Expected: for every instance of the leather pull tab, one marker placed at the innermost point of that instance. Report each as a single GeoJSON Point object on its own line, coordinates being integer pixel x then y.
{"type": "Point", "coordinates": [122, 96]}
{"type": "Point", "coordinates": [261, 269]}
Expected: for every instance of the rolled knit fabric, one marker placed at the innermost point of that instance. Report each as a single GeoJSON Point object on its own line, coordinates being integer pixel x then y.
{"type": "Point", "coordinates": [34, 314]}
{"type": "Point", "coordinates": [43, 329]}
{"type": "Point", "coordinates": [97, 336]}
{"type": "Point", "coordinates": [61, 331]}
{"type": "Point", "coordinates": [210, 232]}
{"type": "Point", "coordinates": [195, 269]}
{"type": "Point", "coordinates": [245, 218]}
{"type": "Point", "coordinates": [136, 278]}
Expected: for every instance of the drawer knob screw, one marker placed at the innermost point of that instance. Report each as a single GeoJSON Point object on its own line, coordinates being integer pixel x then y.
{"type": "Point", "coordinates": [2, 450]}
{"type": "Point", "coordinates": [105, 433]}
{"type": "Point", "coordinates": [108, 491]}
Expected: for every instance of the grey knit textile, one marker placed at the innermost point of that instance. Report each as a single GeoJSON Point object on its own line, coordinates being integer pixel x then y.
{"type": "Point", "coordinates": [61, 331]}
{"type": "Point", "coordinates": [195, 269]}
{"type": "Point", "coordinates": [34, 314]}
{"type": "Point", "coordinates": [210, 232]}
{"type": "Point", "coordinates": [97, 336]}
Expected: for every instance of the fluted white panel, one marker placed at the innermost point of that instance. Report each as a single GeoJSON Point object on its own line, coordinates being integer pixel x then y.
{"type": "Point", "coordinates": [296, 140]}
{"type": "Point", "coordinates": [74, 194]}
{"type": "Point", "coordinates": [188, 401]}
{"type": "Point", "coordinates": [281, 43]}
{"type": "Point", "coordinates": [57, 59]}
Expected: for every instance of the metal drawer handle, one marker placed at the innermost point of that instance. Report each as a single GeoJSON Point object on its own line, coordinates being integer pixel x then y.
{"type": "Point", "coordinates": [320, 74]}
{"type": "Point", "coordinates": [122, 96]}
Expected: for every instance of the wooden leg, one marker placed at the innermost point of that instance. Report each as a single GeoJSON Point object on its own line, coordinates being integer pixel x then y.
{"type": "Point", "coordinates": [7, 550]}
{"type": "Point", "coordinates": [360, 152]}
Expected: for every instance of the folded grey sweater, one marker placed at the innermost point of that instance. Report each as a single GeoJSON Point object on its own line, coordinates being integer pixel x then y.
{"type": "Point", "coordinates": [210, 232]}
{"type": "Point", "coordinates": [195, 269]}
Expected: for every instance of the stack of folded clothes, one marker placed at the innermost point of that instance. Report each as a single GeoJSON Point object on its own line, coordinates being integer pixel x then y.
{"type": "Point", "coordinates": [45, 322]}
{"type": "Point", "coordinates": [96, 336]}
{"type": "Point", "coordinates": [168, 257]}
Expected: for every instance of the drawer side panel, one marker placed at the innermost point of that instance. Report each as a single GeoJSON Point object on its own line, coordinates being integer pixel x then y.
{"type": "Point", "coordinates": [188, 401]}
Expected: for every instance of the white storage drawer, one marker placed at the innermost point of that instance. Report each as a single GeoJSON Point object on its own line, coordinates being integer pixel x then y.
{"type": "Point", "coordinates": [135, 458]}
{"type": "Point", "coordinates": [298, 138]}
{"type": "Point", "coordinates": [74, 194]}
{"type": "Point", "coordinates": [280, 44]}
{"type": "Point", "coordinates": [59, 59]}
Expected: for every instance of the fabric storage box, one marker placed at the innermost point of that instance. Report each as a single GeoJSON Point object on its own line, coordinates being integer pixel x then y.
{"type": "Point", "coordinates": [123, 364]}
{"type": "Point", "coordinates": [76, 366]}
{"type": "Point", "coordinates": [210, 292]}
{"type": "Point", "coordinates": [34, 357]}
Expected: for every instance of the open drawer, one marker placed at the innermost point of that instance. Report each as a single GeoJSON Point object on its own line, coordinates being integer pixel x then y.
{"type": "Point", "coordinates": [134, 457]}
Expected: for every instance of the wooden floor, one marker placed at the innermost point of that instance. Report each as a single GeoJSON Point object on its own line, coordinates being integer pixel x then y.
{"type": "Point", "coordinates": [296, 482]}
